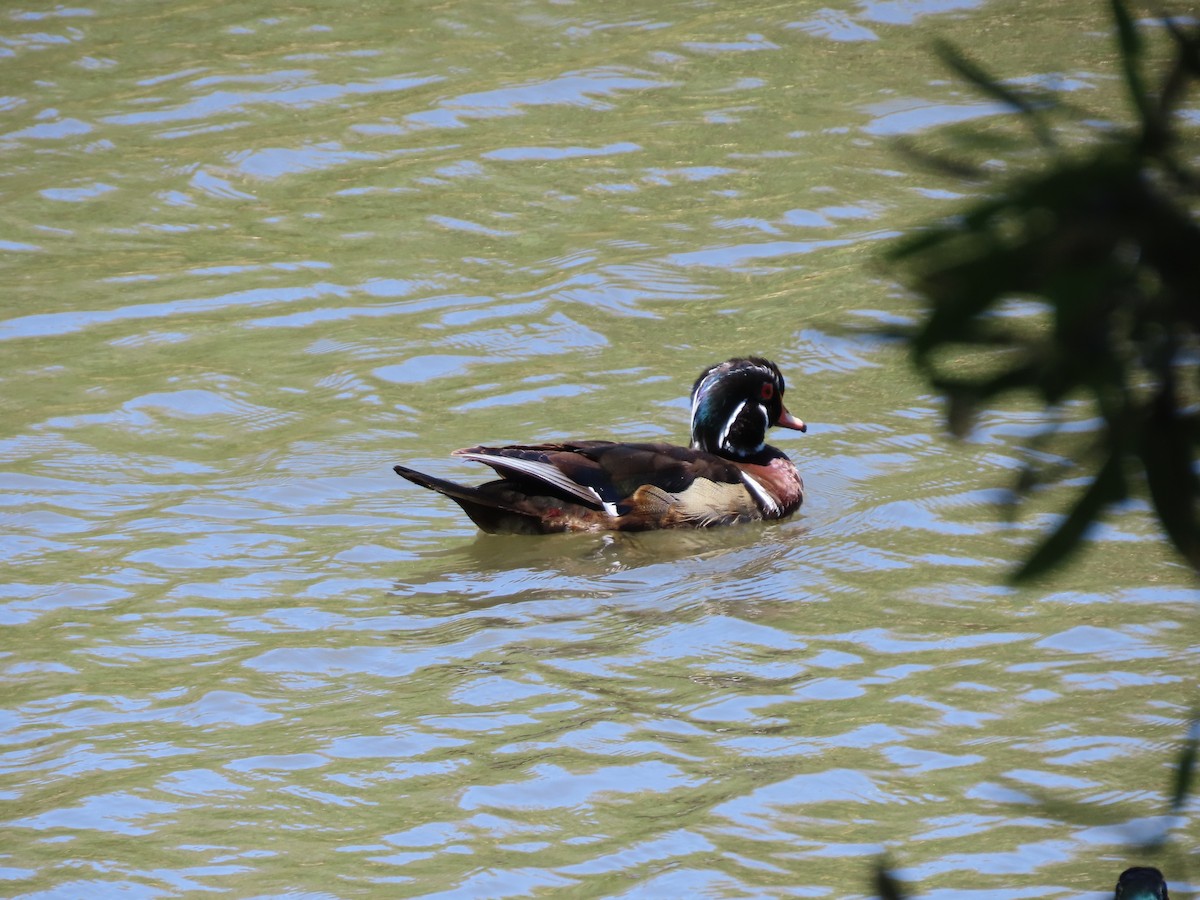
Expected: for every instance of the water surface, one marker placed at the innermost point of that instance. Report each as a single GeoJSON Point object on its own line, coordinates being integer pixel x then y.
{"type": "Point", "coordinates": [255, 255]}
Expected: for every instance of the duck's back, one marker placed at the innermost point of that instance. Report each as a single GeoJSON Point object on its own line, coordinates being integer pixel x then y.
{"type": "Point", "coordinates": [607, 485]}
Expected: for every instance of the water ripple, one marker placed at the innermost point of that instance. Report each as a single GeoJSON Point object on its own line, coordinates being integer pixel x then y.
{"type": "Point", "coordinates": [256, 260]}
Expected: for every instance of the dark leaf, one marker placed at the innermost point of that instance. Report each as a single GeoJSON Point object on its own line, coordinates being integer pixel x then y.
{"type": "Point", "coordinates": [990, 86]}
{"type": "Point", "coordinates": [952, 168]}
{"type": "Point", "coordinates": [1107, 487]}
{"type": "Point", "coordinates": [960, 293]}
{"type": "Point", "coordinates": [960, 412]}
{"type": "Point", "coordinates": [1189, 47]}
{"type": "Point", "coordinates": [1023, 374]}
{"type": "Point", "coordinates": [885, 885]}
{"type": "Point", "coordinates": [1130, 44]}
{"type": "Point", "coordinates": [1184, 69]}
{"type": "Point", "coordinates": [1186, 768]}
{"type": "Point", "coordinates": [1165, 451]}
{"type": "Point", "coordinates": [1185, 65]}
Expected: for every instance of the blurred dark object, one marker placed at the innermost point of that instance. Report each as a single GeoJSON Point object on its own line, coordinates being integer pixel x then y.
{"type": "Point", "coordinates": [886, 886]}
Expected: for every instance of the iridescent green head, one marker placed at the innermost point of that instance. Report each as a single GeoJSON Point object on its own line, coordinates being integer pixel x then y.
{"type": "Point", "coordinates": [733, 405]}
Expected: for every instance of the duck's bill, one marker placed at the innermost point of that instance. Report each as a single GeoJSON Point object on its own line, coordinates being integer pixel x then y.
{"type": "Point", "coordinates": [787, 420]}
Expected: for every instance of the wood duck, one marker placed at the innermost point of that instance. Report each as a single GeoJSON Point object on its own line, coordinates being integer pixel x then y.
{"type": "Point", "coordinates": [728, 475]}
{"type": "Point", "coordinates": [1141, 883]}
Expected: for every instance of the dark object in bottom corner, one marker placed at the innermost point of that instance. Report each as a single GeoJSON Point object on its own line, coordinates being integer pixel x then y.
{"type": "Point", "coordinates": [1141, 883]}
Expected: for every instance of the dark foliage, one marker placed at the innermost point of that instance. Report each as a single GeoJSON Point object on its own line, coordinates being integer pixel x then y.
{"type": "Point", "coordinates": [1100, 243]}
{"type": "Point", "coordinates": [1104, 242]}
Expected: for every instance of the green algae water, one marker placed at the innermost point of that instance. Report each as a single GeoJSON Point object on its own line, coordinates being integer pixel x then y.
{"type": "Point", "coordinates": [255, 254]}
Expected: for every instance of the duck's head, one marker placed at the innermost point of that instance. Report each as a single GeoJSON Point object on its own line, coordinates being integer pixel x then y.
{"type": "Point", "coordinates": [733, 405]}
{"type": "Point", "coordinates": [1141, 883]}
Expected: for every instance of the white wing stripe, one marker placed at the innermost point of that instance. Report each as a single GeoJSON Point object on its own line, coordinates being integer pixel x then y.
{"type": "Point", "coordinates": [765, 501]}
{"type": "Point", "coordinates": [543, 472]}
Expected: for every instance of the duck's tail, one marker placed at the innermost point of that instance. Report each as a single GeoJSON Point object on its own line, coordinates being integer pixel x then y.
{"type": "Point", "coordinates": [492, 506]}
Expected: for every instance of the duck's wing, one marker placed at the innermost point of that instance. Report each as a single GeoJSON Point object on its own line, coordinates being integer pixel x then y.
{"type": "Point", "coordinates": [640, 486]}
{"type": "Point", "coordinates": [549, 466]}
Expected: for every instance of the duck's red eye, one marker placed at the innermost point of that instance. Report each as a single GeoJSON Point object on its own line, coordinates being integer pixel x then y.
{"type": "Point", "coordinates": [768, 390]}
